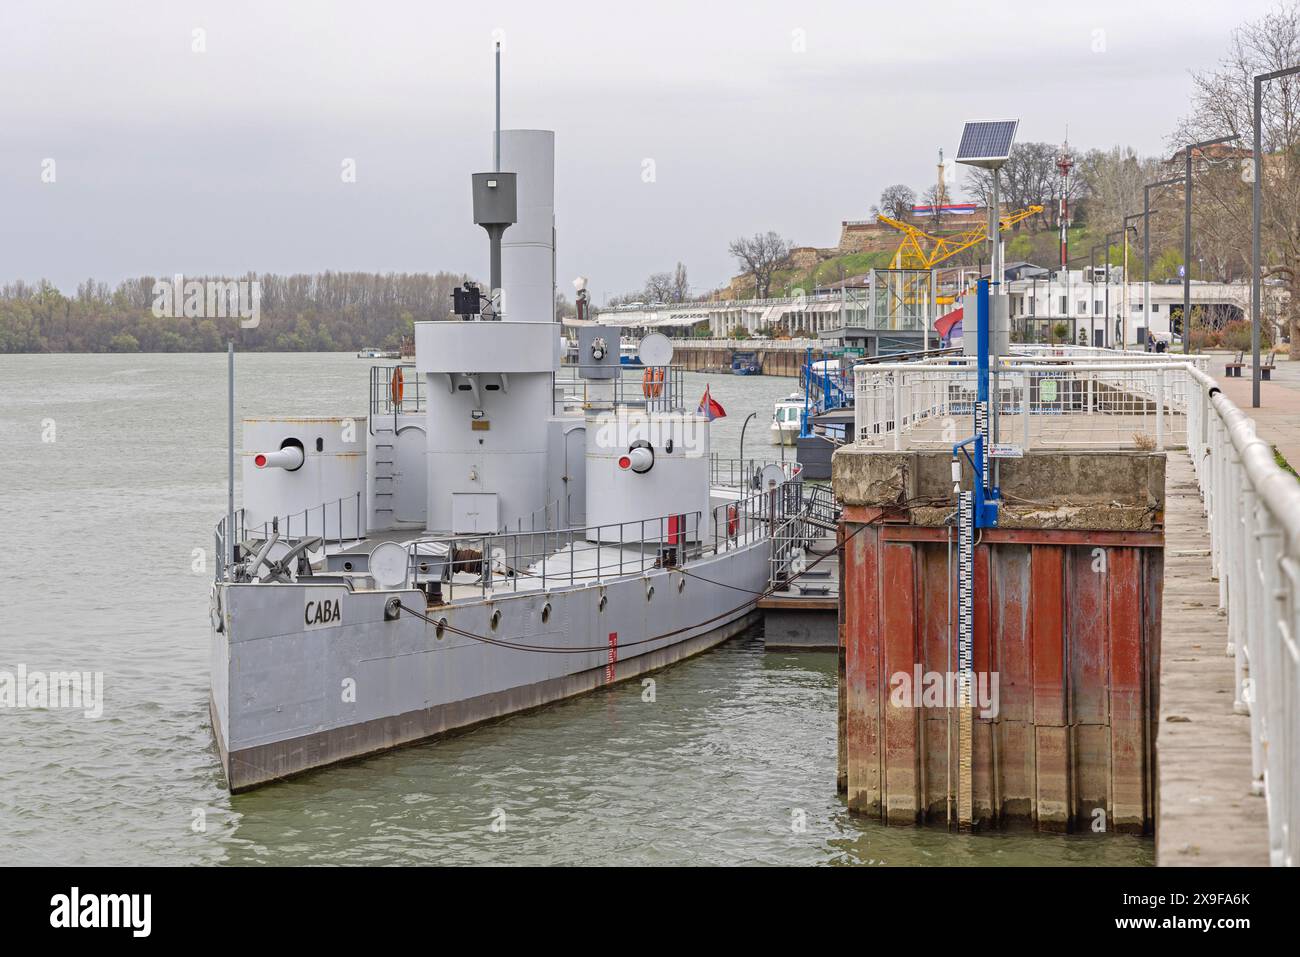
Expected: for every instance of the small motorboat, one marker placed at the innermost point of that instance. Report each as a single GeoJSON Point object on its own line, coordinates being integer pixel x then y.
{"type": "Point", "coordinates": [787, 419]}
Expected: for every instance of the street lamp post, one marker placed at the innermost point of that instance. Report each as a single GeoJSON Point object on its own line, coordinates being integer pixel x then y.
{"type": "Point", "coordinates": [1092, 294]}
{"type": "Point", "coordinates": [1125, 307]}
{"type": "Point", "coordinates": [1105, 329]}
{"type": "Point", "coordinates": [1255, 264]}
{"type": "Point", "coordinates": [1187, 234]}
{"type": "Point", "coordinates": [1146, 263]}
{"type": "Point", "coordinates": [742, 438]}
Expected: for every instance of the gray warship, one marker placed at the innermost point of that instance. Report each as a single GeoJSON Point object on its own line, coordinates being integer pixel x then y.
{"type": "Point", "coordinates": [498, 531]}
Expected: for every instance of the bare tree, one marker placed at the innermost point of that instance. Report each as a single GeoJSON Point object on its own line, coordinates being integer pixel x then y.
{"type": "Point", "coordinates": [681, 285]}
{"type": "Point", "coordinates": [936, 197]}
{"type": "Point", "coordinates": [1029, 178]}
{"type": "Point", "coordinates": [666, 286]}
{"type": "Point", "coordinates": [659, 287]}
{"type": "Point", "coordinates": [1221, 106]}
{"type": "Point", "coordinates": [897, 201]}
{"type": "Point", "coordinates": [760, 257]}
{"type": "Point", "coordinates": [1114, 179]}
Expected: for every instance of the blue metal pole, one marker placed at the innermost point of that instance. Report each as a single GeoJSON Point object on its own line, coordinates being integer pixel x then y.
{"type": "Point", "coordinates": [981, 398]}
{"type": "Point", "coordinates": [986, 510]}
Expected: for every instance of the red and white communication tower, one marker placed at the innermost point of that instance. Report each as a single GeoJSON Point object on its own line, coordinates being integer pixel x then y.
{"type": "Point", "coordinates": [1064, 164]}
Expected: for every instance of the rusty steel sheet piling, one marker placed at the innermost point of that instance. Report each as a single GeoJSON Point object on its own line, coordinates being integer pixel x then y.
{"type": "Point", "coordinates": [1066, 642]}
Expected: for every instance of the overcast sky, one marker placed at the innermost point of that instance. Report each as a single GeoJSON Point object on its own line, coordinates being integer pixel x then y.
{"type": "Point", "coordinates": [757, 116]}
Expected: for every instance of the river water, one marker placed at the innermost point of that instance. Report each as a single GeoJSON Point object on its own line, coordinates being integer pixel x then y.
{"type": "Point", "coordinates": [113, 478]}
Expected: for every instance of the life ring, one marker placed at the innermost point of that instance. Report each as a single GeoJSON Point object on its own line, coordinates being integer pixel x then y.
{"type": "Point", "coordinates": [652, 382]}
{"type": "Point", "coordinates": [733, 520]}
{"type": "Point", "coordinates": [395, 387]}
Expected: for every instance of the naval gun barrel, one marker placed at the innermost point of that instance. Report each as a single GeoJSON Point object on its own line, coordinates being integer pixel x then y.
{"type": "Point", "coordinates": [639, 459]}
{"type": "Point", "coordinates": [288, 458]}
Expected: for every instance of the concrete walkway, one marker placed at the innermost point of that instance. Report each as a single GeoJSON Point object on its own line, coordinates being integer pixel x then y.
{"type": "Point", "coordinates": [1205, 812]}
{"type": "Point", "coordinates": [1277, 419]}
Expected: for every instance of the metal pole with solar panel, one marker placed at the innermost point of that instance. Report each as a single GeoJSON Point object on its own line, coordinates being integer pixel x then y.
{"type": "Point", "coordinates": [985, 144]}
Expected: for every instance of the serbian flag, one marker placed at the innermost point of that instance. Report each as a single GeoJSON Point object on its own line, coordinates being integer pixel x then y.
{"type": "Point", "coordinates": [710, 407]}
{"type": "Point", "coordinates": [949, 326]}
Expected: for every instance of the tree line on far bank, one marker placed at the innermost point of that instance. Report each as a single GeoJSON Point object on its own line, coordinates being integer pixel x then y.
{"type": "Point", "coordinates": [324, 312]}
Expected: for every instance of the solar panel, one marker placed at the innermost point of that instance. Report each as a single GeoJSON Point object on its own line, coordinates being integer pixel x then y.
{"type": "Point", "coordinates": [986, 142]}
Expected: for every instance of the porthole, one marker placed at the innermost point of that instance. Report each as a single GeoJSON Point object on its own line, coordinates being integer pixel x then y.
{"type": "Point", "coordinates": [347, 566]}
{"type": "Point", "coordinates": [442, 625]}
{"type": "Point", "coordinates": [495, 619]}
{"type": "Point", "coordinates": [546, 613]}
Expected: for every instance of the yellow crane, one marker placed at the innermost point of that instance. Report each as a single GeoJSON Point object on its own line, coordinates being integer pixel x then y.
{"type": "Point", "coordinates": [922, 250]}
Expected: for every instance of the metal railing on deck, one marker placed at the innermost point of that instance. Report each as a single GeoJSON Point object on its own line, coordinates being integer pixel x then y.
{"type": "Point", "coordinates": [814, 516]}
{"type": "Point", "coordinates": [329, 520]}
{"type": "Point", "coordinates": [744, 473]}
{"type": "Point", "coordinates": [639, 388]}
{"type": "Point", "coordinates": [821, 505]}
{"type": "Point", "coordinates": [758, 511]}
{"type": "Point", "coordinates": [474, 567]}
{"type": "Point", "coordinates": [405, 397]}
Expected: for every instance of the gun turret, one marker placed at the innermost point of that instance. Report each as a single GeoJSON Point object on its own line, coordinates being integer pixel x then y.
{"type": "Point", "coordinates": [289, 458]}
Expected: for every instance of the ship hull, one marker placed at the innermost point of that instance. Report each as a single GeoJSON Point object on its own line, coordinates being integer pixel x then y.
{"type": "Point", "coordinates": [291, 693]}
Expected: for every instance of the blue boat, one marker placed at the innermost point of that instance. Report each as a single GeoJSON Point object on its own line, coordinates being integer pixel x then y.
{"type": "Point", "coordinates": [746, 363]}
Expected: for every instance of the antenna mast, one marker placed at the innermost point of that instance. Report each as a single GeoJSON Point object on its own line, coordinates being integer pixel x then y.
{"type": "Point", "coordinates": [1065, 163]}
{"type": "Point", "coordinates": [496, 139]}
{"type": "Point", "coordinates": [941, 193]}
{"type": "Point", "coordinates": [495, 204]}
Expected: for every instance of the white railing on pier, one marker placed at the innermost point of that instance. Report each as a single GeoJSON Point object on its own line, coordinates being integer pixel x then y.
{"type": "Point", "coordinates": [1050, 404]}
{"type": "Point", "coordinates": [1253, 509]}
{"type": "Point", "coordinates": [1041, 352]}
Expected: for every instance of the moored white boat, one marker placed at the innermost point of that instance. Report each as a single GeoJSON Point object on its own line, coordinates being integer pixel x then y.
{"type": "Point", "coordinates": [787, 419]}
